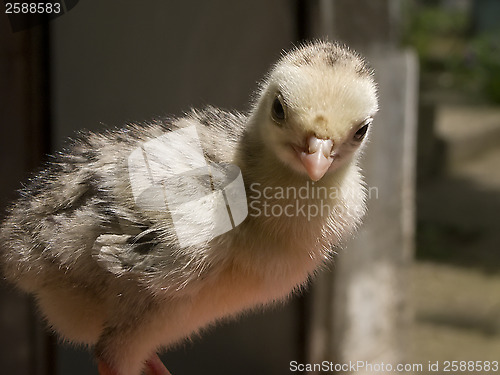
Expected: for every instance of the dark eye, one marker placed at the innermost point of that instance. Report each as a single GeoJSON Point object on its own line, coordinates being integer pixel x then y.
{"type": "Point", "coordinates": [360, 134]}
{"type": "Point", "coordinates": [277, 110]}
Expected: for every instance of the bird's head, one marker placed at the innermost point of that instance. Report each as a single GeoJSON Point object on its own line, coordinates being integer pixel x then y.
{"type": "Point", "coordinates": [316, 107]}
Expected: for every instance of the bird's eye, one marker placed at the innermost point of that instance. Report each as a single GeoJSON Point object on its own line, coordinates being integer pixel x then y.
{"type": "Point", "coordinates": [278, 110]}
{"type": "Point", "coordinates": [360, 134]}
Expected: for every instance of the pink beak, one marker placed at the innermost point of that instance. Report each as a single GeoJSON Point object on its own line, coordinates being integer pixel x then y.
{"type": "Point", "coordinates": [316, 157]}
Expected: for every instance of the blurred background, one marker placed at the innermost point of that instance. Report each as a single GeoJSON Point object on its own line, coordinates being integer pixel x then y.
{"type": "Point", "coordinates": [419, 283]}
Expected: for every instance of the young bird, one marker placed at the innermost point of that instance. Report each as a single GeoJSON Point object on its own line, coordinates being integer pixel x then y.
{"type": "Point", "coordinates": [110, 271]}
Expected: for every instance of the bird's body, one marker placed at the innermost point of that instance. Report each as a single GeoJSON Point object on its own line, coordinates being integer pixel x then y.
{"type": "Point", "coordinates": [112, 275]}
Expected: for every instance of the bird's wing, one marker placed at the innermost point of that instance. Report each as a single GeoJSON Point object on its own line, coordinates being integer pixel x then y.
{"type": "Point", "coordinates": [123, 254]}
{"type": "Point", "coordinates": [83, 201]}
{"type": "Point", "coordinates": [171, 199]}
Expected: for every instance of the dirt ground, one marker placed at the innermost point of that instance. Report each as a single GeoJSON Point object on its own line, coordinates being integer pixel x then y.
{"type": "Point", "coordinates": [456, 278]}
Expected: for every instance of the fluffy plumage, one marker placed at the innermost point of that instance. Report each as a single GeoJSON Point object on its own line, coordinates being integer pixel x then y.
{"type": "Point", "coordinates": [109, 274]}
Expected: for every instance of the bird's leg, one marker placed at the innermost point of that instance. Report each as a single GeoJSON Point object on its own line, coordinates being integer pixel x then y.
{"type": "Point", "coordinates": [154, 366]}
{"type": "Point", "coordinates": [129, 341]}
{"type": "Point", "coordinates": [120, 351]}
{"type": "Point", "coordinates": [104, 369]}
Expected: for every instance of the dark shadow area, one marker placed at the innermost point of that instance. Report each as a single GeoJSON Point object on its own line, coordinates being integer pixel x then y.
{"type": "Point", "coordinates": [458, 224]}
{"type": "Point", "coordinates": [240, 350]}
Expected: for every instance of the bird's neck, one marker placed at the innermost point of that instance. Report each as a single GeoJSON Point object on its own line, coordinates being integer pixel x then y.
{"type": "Point", "coordinates": [291, 218]}
{"type": "Point", "coordinates": [281, 200]}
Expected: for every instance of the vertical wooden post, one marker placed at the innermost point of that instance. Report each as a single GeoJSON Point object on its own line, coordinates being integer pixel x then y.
{"type": "Point", "coordinates": [361, 310]}
{"type": "Point", "coordinates": [24, 345]}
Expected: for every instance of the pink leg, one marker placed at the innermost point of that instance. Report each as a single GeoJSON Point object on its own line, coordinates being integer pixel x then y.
{"type": "Point", "coordinates": [154, 366]}
{"type": "Point", "coordinates": [104, 369]}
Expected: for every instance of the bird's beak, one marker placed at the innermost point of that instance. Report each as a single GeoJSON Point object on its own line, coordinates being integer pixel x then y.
{"type": "Point", "coordinates": [316, 157]}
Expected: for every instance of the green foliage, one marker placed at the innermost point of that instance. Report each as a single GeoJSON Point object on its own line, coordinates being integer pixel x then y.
{"type": "Point", "coordinates": [450, 56]}
{"type": "Point", "coordinates": [428, 22]}
{"type": "Point", "coordinates": [487, 51]}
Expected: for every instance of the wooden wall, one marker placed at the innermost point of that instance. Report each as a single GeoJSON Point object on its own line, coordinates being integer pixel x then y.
{"type": "Point", "coordinates": [111, 62]}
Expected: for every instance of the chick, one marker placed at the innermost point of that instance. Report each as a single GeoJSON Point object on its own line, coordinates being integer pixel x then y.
{"type": "Point", "coordinates": [110, 272]}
